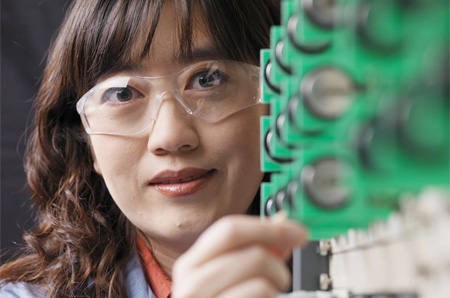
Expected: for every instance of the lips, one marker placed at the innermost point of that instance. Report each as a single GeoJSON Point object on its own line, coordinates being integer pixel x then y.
{"type": "Point", "coordinates": [184, 182]}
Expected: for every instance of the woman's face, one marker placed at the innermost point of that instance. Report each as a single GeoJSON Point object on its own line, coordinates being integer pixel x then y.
{"type": "Point", "coordinates": [181, 146]}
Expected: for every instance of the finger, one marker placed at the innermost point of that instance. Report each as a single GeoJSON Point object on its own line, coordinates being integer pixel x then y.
{"type": "Point", "coordinates": [235, 231]}
{"type": "Point", "coordinates": [280, 217]}
{"type": "Point", "coordinates": [253, 288]}
{"type": "Point", "coordinates": [248, 263]}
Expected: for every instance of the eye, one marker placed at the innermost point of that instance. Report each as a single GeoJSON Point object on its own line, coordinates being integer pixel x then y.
{"type": "Point", "coordinates": [121, 95]}
{"type": "Point", "coordinates": [207, 78]}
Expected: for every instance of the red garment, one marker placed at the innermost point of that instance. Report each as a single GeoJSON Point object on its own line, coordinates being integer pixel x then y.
{"type": "Point", "coordinates": [159, 282]}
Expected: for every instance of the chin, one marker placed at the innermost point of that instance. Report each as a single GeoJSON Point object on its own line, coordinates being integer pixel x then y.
{"type": "Point", "coordinates": [182, 227]}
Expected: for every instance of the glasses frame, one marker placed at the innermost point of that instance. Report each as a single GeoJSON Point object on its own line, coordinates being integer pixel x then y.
{"type": "Point", "coordinates": [80, 105]}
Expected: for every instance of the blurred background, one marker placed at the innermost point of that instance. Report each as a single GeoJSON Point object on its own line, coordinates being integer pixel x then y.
{"type": "Point", "coordinates": [27, 28]}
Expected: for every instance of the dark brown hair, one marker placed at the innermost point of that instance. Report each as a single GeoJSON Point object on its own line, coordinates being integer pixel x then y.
{"type": "Point", "coordinates": [82, 241]}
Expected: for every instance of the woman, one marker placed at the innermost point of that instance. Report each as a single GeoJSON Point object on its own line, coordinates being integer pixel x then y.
{"type": "Point", "coordinates": [147, 133]}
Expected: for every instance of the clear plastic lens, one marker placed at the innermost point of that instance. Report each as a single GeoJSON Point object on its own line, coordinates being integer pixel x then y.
{"type": "Point", "coordinates": [210, 90]}
{"type": "Point", "coordinates": [106, 113]}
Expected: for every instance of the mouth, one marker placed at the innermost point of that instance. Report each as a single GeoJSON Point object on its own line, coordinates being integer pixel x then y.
{"type": "Point", "coordinates": [185, 182]}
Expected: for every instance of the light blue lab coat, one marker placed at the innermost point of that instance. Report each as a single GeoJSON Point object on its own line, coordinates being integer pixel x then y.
{"type": "Point", "coordinates": [137, 286]}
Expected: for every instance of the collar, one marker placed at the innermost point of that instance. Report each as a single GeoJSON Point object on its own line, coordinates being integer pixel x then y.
{"type": "Point", "coordinates": [159, 282]}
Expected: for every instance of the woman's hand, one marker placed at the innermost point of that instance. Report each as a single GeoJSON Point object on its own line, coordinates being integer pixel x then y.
{"type": "Point", "coordinates": [238, 256]}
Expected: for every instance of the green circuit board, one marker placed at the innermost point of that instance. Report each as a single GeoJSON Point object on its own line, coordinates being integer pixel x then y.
{"type": "Point", "coordinates": [359, 109]}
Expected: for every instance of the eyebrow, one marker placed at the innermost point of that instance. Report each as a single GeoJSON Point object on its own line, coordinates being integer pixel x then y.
{"type": "Point", "coordinates": [199, 54]}
{"type": "Point", "coordinates": [196, 55]}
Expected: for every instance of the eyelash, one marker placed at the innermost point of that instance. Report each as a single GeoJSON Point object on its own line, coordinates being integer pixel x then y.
{"type": "Point", "coordinates": [218, 78]}
{"type": "Point", "coordinates": [114, 91]}
{"type": "Point", "coordinates": [223, 77]}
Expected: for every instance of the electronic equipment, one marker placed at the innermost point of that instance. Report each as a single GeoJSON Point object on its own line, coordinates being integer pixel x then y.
{"type": "Point", "coordinates": [358, 144]}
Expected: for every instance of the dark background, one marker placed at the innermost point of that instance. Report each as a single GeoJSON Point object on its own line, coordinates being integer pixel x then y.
{"type": "Point", "coordinates": [27, 28]}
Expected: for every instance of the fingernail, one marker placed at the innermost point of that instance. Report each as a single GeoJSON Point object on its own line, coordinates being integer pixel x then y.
{"type": "Point", "coordinates": [279, 217]}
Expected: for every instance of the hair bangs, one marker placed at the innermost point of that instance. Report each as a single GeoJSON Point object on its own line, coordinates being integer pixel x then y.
{"type": "Point", "coordinates": [121, 36]}
{"type": "Point", "coordinates": [117, 34]}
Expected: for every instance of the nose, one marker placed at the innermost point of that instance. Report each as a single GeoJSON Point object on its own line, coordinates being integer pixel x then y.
{"type": "Point", "coordinates": [174, 129]}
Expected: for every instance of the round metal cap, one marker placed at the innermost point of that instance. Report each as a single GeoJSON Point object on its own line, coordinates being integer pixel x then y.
{"type": "Point", "coordinates": [323, 183]}
{"type": "Point", "coordinates": [328, 92]}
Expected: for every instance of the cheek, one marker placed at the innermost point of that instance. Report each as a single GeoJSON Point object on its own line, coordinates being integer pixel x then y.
{"type": "Point", "coordinates": [236, 139]}
{"type": "Point", "coordinates": [116, 160]}
{"type": "Point", "coordinates": [237, 144]}
{"type": "Point", "coordinates": [243, 135]}
{"type": "Point", "coordinates": [110, 151]}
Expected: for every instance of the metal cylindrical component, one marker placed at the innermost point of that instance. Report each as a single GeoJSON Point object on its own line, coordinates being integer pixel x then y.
{"type": "Point", "coordinates": [294, 115]}
{"type": "Point", "coordinates": [280, 198]}
{"type": "Point", "coordinates": [292, 189]}
{"type": "Point", "coordinates": [267, 142]}
{"type": "Point", "coordinates": [269, 83]}
{"type": "Point", "coordinates": [323, 13]}
{"type": "Point", "coordinates": [328, 92]}
{"type": "Point", "coordinates": [363, 143]}
{"type": "Point", "coordinates": [278, 57]}
{"type": "Point", "coordinates": [270, 207]}
{"type": "Point", "coordinates": [300, 46]}
{"type": "Point", "coordinates": [323, 183]}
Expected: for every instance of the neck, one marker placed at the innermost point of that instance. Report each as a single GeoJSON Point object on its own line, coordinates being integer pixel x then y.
{"type": "Point", "coordinates": [164, 253]}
